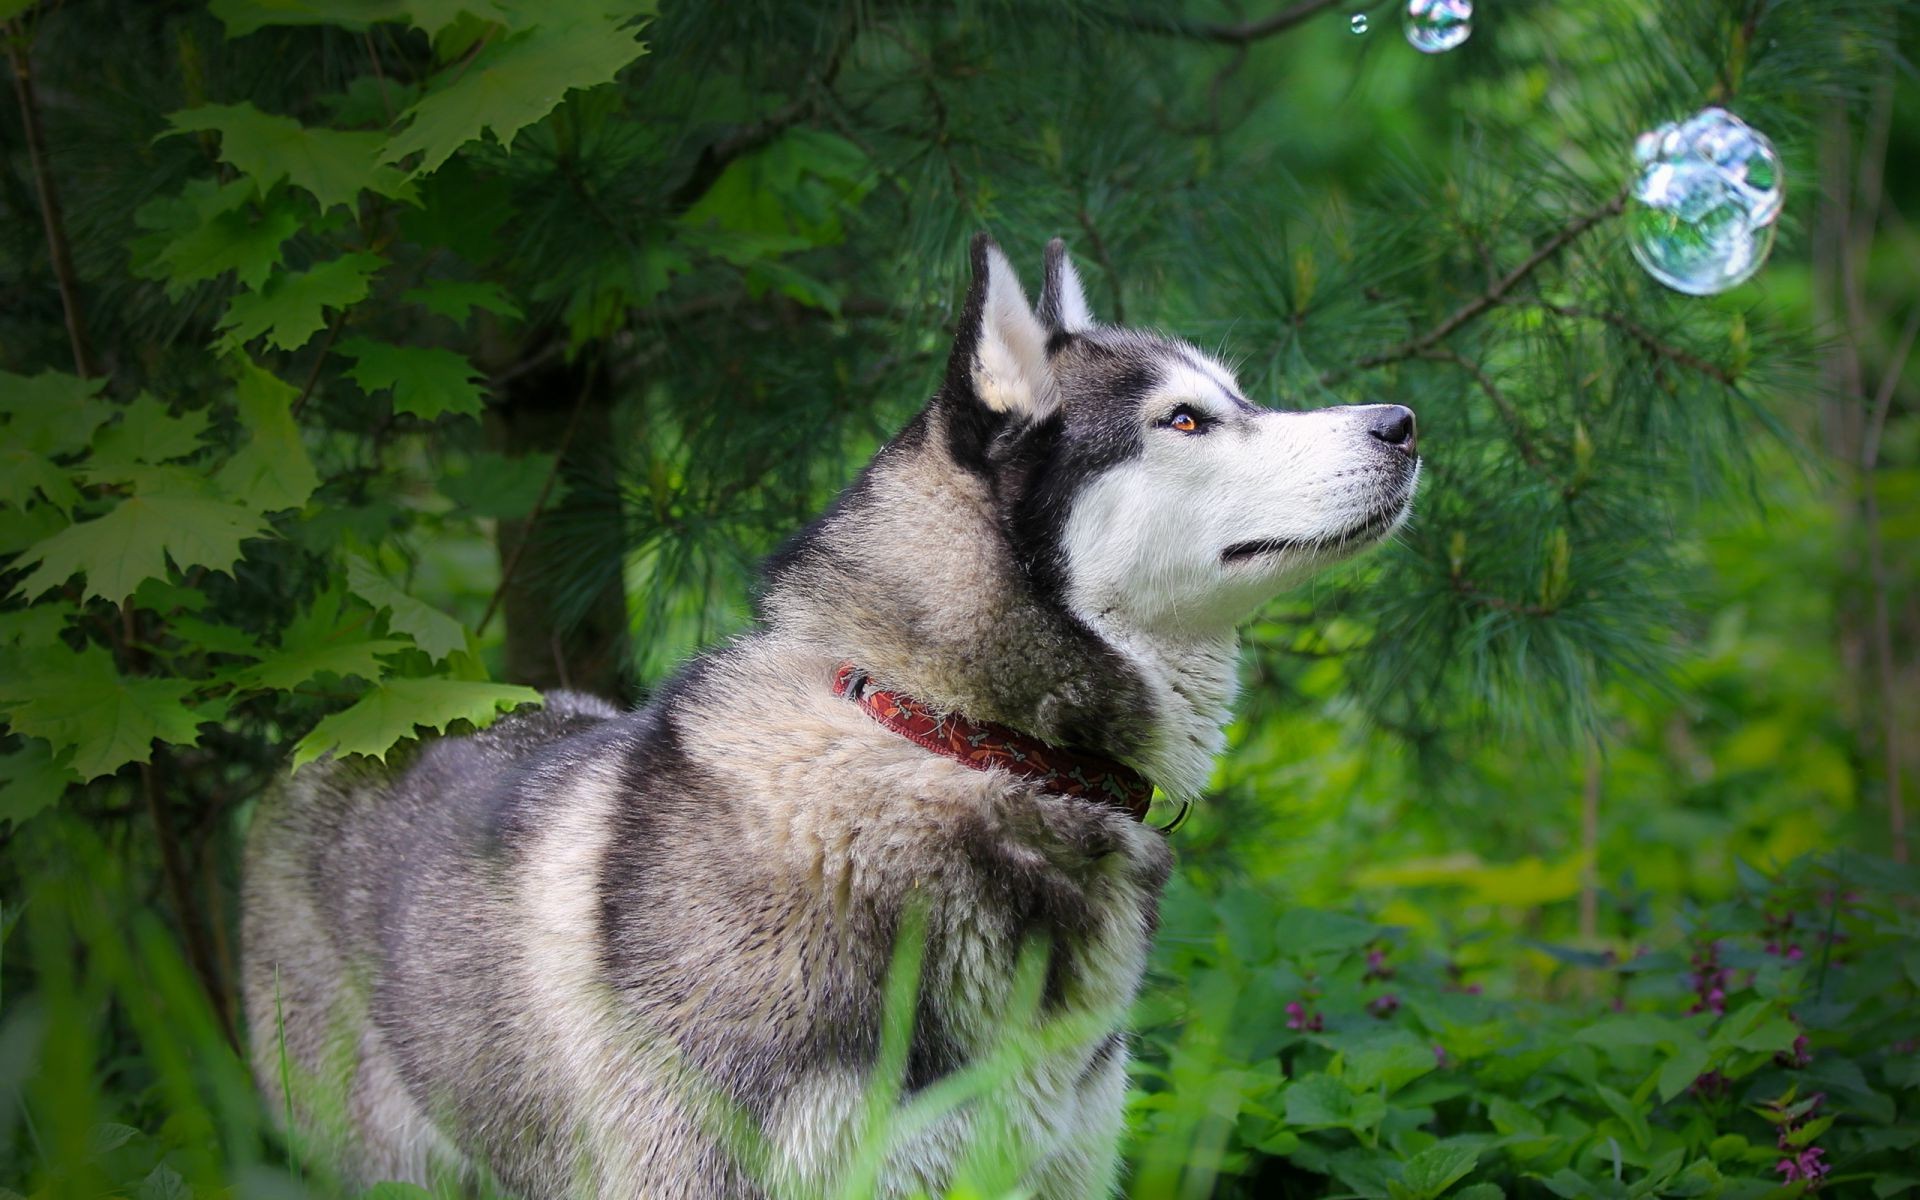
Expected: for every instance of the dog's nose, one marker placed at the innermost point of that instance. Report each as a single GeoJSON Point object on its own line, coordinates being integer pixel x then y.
{"type": "Point", "coordinates": [1392, 424]}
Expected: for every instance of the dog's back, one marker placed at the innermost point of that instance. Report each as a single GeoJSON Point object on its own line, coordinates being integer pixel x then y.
{"type": "Point", "coordinates": [379, 933]}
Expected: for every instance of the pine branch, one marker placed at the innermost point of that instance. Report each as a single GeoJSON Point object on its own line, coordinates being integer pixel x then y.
{"type": "Point", "coordinates": [1099, 247]}
{"type": "Point", "coordinates": [1522, 440]}
{"type": "Point", "coordinates": [1473, 308]}
{"type": "Point", "coordinates": [1645, 337]}
{"type": "Point", "coordinates": [51, 216]}
{"type": "Point", "coordinates": [1239, 34]}
{"type": "Point", "coordinates": [715, 159]}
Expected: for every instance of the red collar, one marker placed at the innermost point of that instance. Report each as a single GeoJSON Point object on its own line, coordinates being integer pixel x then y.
{"type": "Point", "coordinates": [981, 744]}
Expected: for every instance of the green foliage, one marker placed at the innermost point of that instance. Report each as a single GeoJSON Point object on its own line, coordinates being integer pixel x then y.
{"type": "Point", "coordinates": [1697, 1063]}
{"type": "Point", "coordinates": [378, 288]}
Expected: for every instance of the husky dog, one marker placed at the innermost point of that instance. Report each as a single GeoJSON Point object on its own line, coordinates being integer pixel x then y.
{"type": "Point", "coordinates": [580, 952]}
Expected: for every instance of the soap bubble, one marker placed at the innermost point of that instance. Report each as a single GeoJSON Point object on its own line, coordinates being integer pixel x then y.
{"type": "Point", "coordinates": [1434, 26]}
{"type": "Point", "coordinates": [1709, 190]}
{"type": "Point", "coordinates": [1357, 22]}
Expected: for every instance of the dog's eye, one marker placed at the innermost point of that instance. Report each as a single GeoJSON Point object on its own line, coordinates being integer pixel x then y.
{"type": "Point", "coordinates": [1184, 420]}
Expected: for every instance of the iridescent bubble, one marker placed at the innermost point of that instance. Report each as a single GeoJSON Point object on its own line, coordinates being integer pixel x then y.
{"type": "Point", "coordinates": [1357, 22]}
{"type": "Point", "coordinates": [1709, 190]}
{"type": "Point", "coordinates": [1435, 26]}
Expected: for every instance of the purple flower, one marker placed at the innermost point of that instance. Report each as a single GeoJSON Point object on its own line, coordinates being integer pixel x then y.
{"type": "Point", "coordinates": [1804, 1165]}
{"type": "Point", "coordinates": [1299, 1018]}
{"type": "Point", "coordinates": [1384, 1005]}
{"type": "Point", "coordinates": [1377, 966]}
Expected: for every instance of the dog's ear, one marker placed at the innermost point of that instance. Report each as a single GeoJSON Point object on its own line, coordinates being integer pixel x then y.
{"type": "Point", "coordinates": [1000, 353]}
{"type": "Point", "coordinates": [1063, 303]}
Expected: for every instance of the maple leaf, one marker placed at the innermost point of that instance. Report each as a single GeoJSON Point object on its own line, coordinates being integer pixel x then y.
{"type": "Point", "coordinates": [51, 413]}
{"type": "Point", "coordinates": [393, 710]}
{"type": "Point", "coordinates": [334, 165]}
{"type": "Point", "coordinates": [32, 779]}
{"type": "Point", "coordinates": [511, 85]}
{"type": "Point", "coordinates": [23, 473]}
{"type": "Point", "coordinates": [242, 17]}
{"type": "Point", "coordinates": [208, 230]}
{"type": "Point", "coordinates": [134, 540]}
{"type": "Point", "coordinates": [272, 471]}
{"type": "Point", "coordinates": [80, 702]}
{"type": "Point", "coordinates": [289, 308]}
{"type": "Point", "coordinates": [146, 433]}
{"type": "Point", "coordinates": [456, 300]}
{"type": "Point", "coordinates": [432, 630]}
{"type": "Point", "coordinates": [325, 638]}
{"type": "Point", "coordinates": [426, 381]}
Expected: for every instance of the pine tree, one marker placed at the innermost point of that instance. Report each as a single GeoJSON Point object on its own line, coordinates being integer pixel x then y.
{"type": "Point", "coordinates": [558, 315]}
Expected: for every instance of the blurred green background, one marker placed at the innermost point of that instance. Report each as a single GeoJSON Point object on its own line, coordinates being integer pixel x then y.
{"type": "Point", "coordinates": [375, 359]}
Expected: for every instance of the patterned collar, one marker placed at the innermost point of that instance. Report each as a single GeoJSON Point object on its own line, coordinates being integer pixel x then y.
{"type": "Point", "coordinates": [981, 744]}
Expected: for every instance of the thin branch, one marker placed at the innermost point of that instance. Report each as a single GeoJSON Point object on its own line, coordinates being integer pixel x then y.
{"type": "Point", "coordinates": [1487, 299]}
{"type": "Point", "coordinates": [717, 157]}
{"type": "Point", "coordinates": [313, 373]}
{"type": "Point", "coordinates": [1877, 569]}
{"type": "Point", "coordinates": [51, 217]}
{"type": "Point", "coordinates": [1646, 338]}
{"type": "Point", "coordinates": [1522, 440]}
{"type": "Point", "coordinates": [1883, 399]}
{"type": "Point", "coordinates": [1236, 34]}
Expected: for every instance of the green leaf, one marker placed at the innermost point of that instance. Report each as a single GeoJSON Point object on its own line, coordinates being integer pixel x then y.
{"type": "Point", "coordinates": [242, 17]}
{"type": "Point", "coordinates": [1633, 1029]}
{"type": "Point", "coordinates": [1437, 1168]}
{"type": "Point", "coordinates": [432, 630]}
{"type": "Point", "coordinates": [426, 381]}
{"type": "Point", "coordinates": [24, 474]}
{"type": "Point", "coordinates": [32, 779]}
{"type": "Point", "coordinates": [272, 471]}
{"type": "Point", "coordinates": [1770, 1037]}
{"type": "Point", "coordinates": [1628, 1112]}
{"type": "Point", "coordinates": [134, 540]}
{"type": "Point", "coordinates": [456, 300]}
{"type": "Point", "coordinates": [80, 702]}
{"type": "Point", "coordinates": [511, 85]}
{"type": "Point", "coordinates": [146, 433]}
{"type": "Point", "coordinates": [1688, 1063]}
{"type": "Point", "coordinates": [290, 308]}
{"type": "Point", "coordinates": [1306, 931]}
{"type": "Point", "coordinates": [208, 230]}
{"type": "Point", "coordinates": [1509, 1118]}
{"type": "Point", "coordinates": [500, 485]}
{"type": "Point", "coordinates": [51, 413]}
{"type": "Point", "coordinates": [37, 626]}
{"type": "Point", "coordinates": [1391, 1062]}
{"type": "Point", "coordinates": [324, 639]}
{"type": "Point", "coordinates": [1480, 1191]}
{"type": "Point", "coordinates": [334, 165]}
{"type": "Point", "coordinates": [1320, 1100]}
{"type": "Point", "coordinates": [214, 638]}
{"type": "Point", "coordinates": [393, 710]}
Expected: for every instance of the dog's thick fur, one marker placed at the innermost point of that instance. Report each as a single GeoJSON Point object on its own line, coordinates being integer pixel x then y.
{"type": "Point", "coordinates": [575, 950]}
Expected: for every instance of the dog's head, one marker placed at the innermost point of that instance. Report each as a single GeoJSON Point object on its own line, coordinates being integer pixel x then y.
{"type": "Point", "coordinates": [1139, 487]}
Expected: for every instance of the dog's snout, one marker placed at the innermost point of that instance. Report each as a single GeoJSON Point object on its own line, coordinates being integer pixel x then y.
{"type": "Point", "coordinates": [1392, 424]}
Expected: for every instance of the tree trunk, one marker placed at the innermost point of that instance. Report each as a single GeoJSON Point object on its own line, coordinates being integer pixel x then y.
{"type": "Point", "coordinates": [563, 592]}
